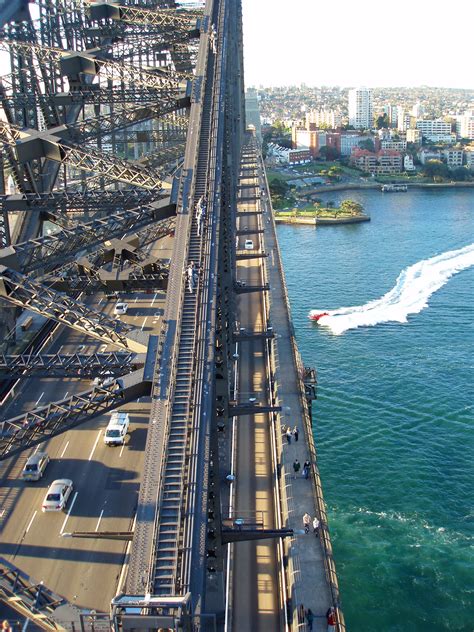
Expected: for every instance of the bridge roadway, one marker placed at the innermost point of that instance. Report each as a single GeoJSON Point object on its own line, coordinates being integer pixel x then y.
{"type": "Point", "coordinates": [86, 572]}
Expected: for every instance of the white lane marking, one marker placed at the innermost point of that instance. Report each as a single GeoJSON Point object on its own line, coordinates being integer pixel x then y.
{"type": "Point", "coordinates": [121, 451]}
{"type": "Point", "coordinates": [39, 399]}
{"type": "Point", "coordinates": [154, 299]}
{"type": "Point", "coordinates": [30, 522]}
{"type": "Point", "coordinates": [65, 448]}
{"type": "Point", "coordinates": [100, 301]}
{"type": "Point", "coordinates": [66, 394]}
{"type": "Point", "coordinates": [98, 521]}
{"type": "Point", "coordinates": [25, 625]}
{"type": "Point", "coordinates": [68, 513]}
{"type": "Point", "coordinates": [95, 444]}
{"type": "Point", "coordinates": [36, 449]}
{"type": "Point", "coordinates": [144, 323]}
{"type": "Point", "coordinates": [136, 300]}
{"type": "Point", "coordinates": [126, 560]}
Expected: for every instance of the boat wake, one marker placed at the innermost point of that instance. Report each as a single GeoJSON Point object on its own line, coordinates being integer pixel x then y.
{"type": "Point", "coordinates": [410, 295]}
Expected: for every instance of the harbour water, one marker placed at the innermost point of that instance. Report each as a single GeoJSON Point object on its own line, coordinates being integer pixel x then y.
{"type": "Point", "coordinates": [394, 417]}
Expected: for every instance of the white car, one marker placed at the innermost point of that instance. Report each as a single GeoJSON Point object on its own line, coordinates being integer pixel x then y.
{"type": "Point", "coordinates": [248, 245]}
{"type": "Point", "coordinates": [57, 496]}
{"type": "Point", "coordinates": [120, 308]}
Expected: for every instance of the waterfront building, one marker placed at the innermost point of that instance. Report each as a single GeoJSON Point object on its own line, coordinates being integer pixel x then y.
{"type": "Point", "coordinates": [361, 114]}
{"type": "Point", "coordinates": [383, 162]}
{"type": "Point", "coordinates": [408, 164]}
{"type": "Point", "coordinates": [469, 153]}
{"type": "Point", "coordinates": [453, 157]}
{"type": "Point", "coordinates": [252, 111]}
{"type": "Point", "coordinates": [424, 155]}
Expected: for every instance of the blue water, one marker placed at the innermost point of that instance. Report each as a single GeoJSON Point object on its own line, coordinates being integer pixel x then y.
{"type": "Point", "coordinates": [393, 422]}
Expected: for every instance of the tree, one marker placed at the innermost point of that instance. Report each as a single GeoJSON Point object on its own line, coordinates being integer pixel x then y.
{"type": "Point", "coordinates": [436, 169]}
{"type": "Point", "coordinates": [460, 174]}
{"type": "Point", "coordinates": [328, 153]}
{"type": "Point", "coordinates": [368, 144]}
{"type": "Point", "coordinates": [381, 121]}
{"type": "Point", "coordinates": [278, 188]}
{"type": "Point", "coordinates": [351, 207]}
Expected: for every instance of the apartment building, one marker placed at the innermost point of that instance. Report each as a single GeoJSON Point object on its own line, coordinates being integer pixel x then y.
{"type": "Point", "coordinates": [405, 120]}
{"type": "Point", "coordinates": [397, 145]}
{"type": "Point", "coordinates": [408, 164]}
{"type": "Point", "coordinates": [470, 158]}
{"type": "Point", "coordinates": [327, 118]}
{"type": "Point", "coordinates": [384, 162]}
{"type": "Point", "coordinates": [465, 125]}
{"type": "Point", "coordinates": [349, 141]}
{"type": "Point", "coordinates": [436, 131]}
{"type": "Point", "coordinates": [425, 155]}
{"type": "Point", "coordinates": [453, 157]}
{"type": "Point", "coordinates": [414, 136]}
{"type": "Point", "coordinates": [361, 113]}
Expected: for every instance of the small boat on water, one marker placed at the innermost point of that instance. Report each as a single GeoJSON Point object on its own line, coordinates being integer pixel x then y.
{"type": "Point", "coordinates": [314, 315]}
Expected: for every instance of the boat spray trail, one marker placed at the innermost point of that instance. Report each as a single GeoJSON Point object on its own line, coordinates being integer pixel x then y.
{"type": "Point", "coordinates": [410, 295]}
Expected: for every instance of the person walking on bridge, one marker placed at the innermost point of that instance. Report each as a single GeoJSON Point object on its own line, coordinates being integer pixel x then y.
{"type": "Point", "coordinates": [331, 620]}
{"type": "Point", "coordinates": [296, 467]}
{"type": "Point", "coordinates": [306, 522]}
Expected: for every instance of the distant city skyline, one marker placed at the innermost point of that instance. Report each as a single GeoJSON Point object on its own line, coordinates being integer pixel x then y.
{"type": "Point", "coordinates": [409, 43]}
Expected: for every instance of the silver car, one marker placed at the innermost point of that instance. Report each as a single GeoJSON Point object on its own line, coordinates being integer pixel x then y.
{"type": "Point", "coordinates": [57, 496]}
{"type": "Point", "coordinates": [35, 466]}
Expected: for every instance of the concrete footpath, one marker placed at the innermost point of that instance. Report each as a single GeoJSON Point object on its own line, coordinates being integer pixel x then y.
{"type": "Point", "coordinates": [310, 567]}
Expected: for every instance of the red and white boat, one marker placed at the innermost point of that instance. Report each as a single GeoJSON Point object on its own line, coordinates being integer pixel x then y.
{"type": "Point", "coordinates": [314, 315]}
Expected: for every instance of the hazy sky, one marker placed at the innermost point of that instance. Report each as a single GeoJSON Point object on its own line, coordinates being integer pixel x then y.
{"type": "Point", "coordinates": [359, 43]}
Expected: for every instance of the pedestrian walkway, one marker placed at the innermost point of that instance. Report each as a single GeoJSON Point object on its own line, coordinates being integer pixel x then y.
{"type": "Point", "coordinates": [309, 554]}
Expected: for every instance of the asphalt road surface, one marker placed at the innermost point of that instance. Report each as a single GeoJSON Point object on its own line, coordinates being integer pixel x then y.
{"type": "Point", "coordinates": [87, 572]}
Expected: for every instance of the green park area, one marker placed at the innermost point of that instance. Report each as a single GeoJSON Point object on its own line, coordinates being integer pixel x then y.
{"type": "Point", "coordinates": [347, 209]}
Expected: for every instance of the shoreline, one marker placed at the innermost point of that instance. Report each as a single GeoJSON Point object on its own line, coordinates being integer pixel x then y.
{"type": "Point", "coordinates": [321, 221]}
{"type": "Point", "coordinates": [377, 185]}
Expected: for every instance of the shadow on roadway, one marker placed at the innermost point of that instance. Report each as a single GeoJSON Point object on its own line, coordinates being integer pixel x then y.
{"type": "Point", "coordinates": [65, 554]}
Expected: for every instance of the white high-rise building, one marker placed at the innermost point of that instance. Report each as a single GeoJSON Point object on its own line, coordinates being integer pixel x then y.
{"type": "Point", "coordinates": [361, 114]}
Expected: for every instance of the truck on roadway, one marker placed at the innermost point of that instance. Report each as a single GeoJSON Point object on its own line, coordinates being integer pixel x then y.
{"type": "Point", "coordinates": [117, 428]}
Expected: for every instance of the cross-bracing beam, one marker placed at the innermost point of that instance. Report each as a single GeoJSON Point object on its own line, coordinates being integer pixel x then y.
{"type": "Point", "coordinates": [78, 201]}
{"type": "Point", "coordinates": [25, 293]}
{"type": "Point", "coordinates": [163, 18]}
{"type": "Point", "coordinates": [74, 365]}
{"type": "Point", "coordinates": [46, 253]}
{"type": "Point", "coordinates": [35, 426]}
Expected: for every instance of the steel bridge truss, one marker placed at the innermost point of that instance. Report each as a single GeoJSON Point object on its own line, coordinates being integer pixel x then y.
{"type": "Point", "coordinates": [35, 426]}
{"type": "Point", "coordinates": [48, 252]}
{"type": "Point", "coordinates": [25, 293]}
{"type": "Point", "coordinates": [74, 365]}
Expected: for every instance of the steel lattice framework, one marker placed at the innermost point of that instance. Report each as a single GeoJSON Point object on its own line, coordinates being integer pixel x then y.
{"type": "Point", "coordinates": [96, 95]}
